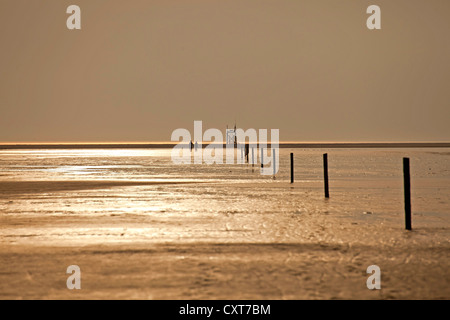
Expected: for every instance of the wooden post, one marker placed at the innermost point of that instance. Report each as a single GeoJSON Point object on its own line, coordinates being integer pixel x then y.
{"type": "Point", "coordinates": [292, 167]}
{"type": "Point", "coordinates": [262, 159]}
{"type": "Point", "coordinates": [253, 157]}
{"type": "Point", "coordinates": [274, 162]}
{"type": "Point", "coordinates": [246, 152]}
{"type": "Point", "coordinates": [407, 186]}
{"type": "Point", "coordinates": [325, 174]}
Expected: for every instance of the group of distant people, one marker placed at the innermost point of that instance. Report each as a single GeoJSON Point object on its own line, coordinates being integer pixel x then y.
{"type": "Point", "coordinates": [195, 146]}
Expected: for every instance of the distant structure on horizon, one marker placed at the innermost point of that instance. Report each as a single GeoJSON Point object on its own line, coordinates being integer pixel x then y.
{"type": "Point", "coordinates": [231, 136]}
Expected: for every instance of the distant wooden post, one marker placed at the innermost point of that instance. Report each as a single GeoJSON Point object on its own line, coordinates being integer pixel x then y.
{"type": "Point", "coordinates": [325, 174]}
{"type": "Point", "coordinates": [292, 167]}
{"type": "Point", "coordinates": [274, 162]}
{"type": "Point", "coordinates": [407, 186]}
{"type": "Point", "coordinates": [262, 158]}
{"type": "Point", "coordinates": [253, 157]}
{"type": "Point", "coordinates": [246, 152]}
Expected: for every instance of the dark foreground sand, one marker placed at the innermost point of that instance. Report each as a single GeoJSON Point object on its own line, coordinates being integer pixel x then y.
{"type": "Point", "coordinates": [218, 271]}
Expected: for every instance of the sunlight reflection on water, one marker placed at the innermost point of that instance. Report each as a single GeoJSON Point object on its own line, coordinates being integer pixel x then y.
{"type": "Point", "coordinates": [227, 202]}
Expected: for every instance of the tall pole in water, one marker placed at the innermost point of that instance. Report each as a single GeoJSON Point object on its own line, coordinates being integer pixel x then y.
{"type": "Point", "coordinates": [407, 187]}
{"type": "Point", "coordinates": [292, 167]}
{"type": "Point", "coordinates": [325, 174]}
{"type": "Point", "coordinates": [274, 163]}
{"type": "Point", "coordinates": [246, 152]}
{"type": "Point", "coordinates": [253, 157]}
{"type": "Point", "coordinates": [262, 159]}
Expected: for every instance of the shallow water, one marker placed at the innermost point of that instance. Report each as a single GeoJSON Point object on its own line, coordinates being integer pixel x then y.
{"type": "Point", "coordinates": [219, 203]}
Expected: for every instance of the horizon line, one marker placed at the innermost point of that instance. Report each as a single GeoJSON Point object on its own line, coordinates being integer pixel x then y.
{"type": "Point", "coordinates": [161, 144]}
{"type": "Point", "coordinates": [211, 142]}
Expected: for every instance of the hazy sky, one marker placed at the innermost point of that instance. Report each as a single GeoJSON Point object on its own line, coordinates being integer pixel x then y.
{"type": "Point", "coordinates": [137, 70]}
